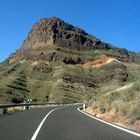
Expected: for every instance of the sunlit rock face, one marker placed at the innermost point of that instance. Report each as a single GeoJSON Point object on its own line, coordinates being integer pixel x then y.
{"type": "Point", "coordinates": [54, 32]}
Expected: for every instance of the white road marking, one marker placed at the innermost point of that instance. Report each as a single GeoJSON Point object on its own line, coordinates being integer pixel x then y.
{"type": "Point", "coordinates": [118, 127]}
{"type": "Point", "coordinates": [40, 125]}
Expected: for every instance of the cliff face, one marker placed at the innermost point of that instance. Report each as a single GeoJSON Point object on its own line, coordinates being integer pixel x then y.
{"type": "Point", "coordinates": [54, 32]}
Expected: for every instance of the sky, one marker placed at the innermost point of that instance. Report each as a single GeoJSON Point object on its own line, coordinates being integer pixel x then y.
{"type": "Point", "coordinates": [113, 21]}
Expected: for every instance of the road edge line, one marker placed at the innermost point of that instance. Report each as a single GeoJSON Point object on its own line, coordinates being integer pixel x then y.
{"type": "Point", "coordinates": [40, 125]}
{"type": "Point", "coordinates": [116, 126]}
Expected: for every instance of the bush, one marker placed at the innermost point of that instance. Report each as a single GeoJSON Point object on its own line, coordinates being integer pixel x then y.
{"type": "Point", "coordinates": [102, 108]}
{"type": "Point", "coordinates": [112, 97]}
{"type": "Point", "coordinates": [5, 110]}
{"type": "Point", "coordinates": [120, 106]}
{"type": "Point", "coordinates": [135, 111]}
{"type": "Point", "coordinates": [131, 121]}
{"type": "Point", "coordinates": [17, 100]}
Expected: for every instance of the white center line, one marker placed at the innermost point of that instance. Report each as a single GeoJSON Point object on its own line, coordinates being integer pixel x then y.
{"type": "Point", "coordinates": [40, 125]}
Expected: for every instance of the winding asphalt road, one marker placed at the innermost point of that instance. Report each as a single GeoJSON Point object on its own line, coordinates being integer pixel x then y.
{"type": "Point", "coordinates": [65, 123]}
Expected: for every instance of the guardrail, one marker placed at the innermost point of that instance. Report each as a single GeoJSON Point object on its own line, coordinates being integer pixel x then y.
{"type": "Point", "coordinates": [18, 105]}
{"type": "Point", "coordinates": [4, 107]}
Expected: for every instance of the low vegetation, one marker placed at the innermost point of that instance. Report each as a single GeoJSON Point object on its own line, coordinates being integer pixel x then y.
{"type": "Point", "coordinates": [122, 100]}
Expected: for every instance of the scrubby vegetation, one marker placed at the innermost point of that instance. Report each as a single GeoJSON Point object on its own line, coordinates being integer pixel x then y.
{"type": "Point", "coordinates": [124, 98]}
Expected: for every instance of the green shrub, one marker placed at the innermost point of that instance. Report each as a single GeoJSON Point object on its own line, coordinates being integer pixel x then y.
{"type": "Point", "coordinates": [119, 106]}
{"type": "Point", "coordinates": [5, 110]}
{"type": "Point", "coordinates": [131, 121]}
{"type": "Point", "coordinates": [135, 111]}
{"type": "Point", "coordinates": [102, 108]}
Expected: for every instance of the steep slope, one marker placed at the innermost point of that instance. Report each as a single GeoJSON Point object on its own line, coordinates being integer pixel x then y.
{"type": "Point", "coordinates": [119, 104]}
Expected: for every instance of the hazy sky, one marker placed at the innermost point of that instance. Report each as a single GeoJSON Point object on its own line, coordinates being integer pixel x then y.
{"type": "Point", "coordinates": [113, 21]}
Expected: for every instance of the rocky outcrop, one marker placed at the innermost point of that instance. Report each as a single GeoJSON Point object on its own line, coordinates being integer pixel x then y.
{"type": "Point", "coordinates": [70, 60]}
{"type": "Point", "coordinates": [43, 68]}
{"type": "Point", "coordinates": [89, 82]}
{"type": "Point", "coordinates": [52, 35]}
{"type": "Point", "coordinates": [99, 62]}
{"type": "Point", "coordinates": [55, 32]}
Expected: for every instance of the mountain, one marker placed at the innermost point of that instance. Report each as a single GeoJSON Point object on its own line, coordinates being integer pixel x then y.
{"type": "Point", "coordinates": [59, 62]}
{"type": "Point", "coordinates": [51, 38]}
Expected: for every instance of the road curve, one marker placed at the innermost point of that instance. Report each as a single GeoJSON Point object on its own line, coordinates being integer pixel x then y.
{"type": "Point", "coordinates": [21, 125]}
{"type": "Point", "coordinates": [66, 123]}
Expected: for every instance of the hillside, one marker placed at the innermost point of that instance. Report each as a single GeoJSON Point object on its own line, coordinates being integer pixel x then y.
{"type": "Point", "coordinates": [58, 62]}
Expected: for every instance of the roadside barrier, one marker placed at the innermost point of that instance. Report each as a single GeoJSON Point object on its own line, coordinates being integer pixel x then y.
{"type": "Point", "coordinates": [4, 107]}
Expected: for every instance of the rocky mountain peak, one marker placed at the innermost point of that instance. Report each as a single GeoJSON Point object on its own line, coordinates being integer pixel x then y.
{"type": "Point", "coordinates": [48, 24]}
{"type": "Point", "coordinates": [51, 38]}
{"type": "Point", "coordinates": [54, 32]}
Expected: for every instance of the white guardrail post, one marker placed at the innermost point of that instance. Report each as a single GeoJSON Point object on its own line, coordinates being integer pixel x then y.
{"type": "Point", "coordinates": [24, 107]}
{"type": "Point", "coordinates": [84, 105]}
